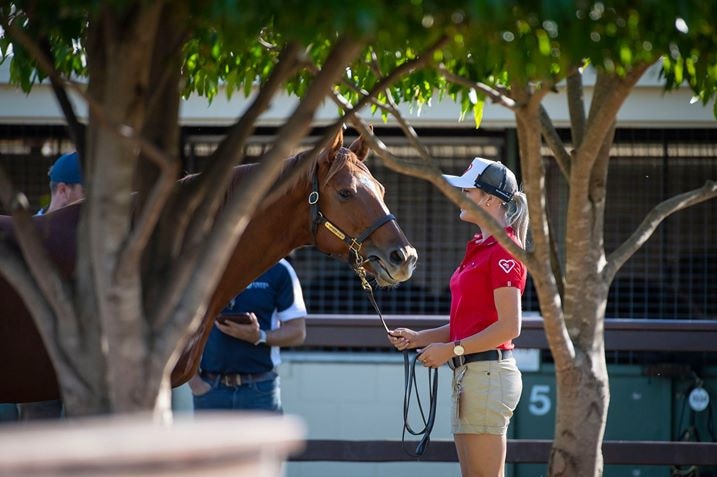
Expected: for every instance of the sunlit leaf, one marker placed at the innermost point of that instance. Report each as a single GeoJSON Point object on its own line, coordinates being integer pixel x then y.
{"type": "Point", "coordinates": [478, 112]}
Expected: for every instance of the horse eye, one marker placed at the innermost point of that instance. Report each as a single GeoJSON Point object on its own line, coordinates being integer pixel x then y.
{"type": "Point", "coordinates": [346, 193]}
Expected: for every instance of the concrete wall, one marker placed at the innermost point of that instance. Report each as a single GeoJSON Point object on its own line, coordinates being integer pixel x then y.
{"type": "Point", "coordinates": [359, 396]}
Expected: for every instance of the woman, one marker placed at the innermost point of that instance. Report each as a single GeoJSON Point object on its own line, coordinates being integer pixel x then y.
{"type": "Point", "coordinates": [485, 316]}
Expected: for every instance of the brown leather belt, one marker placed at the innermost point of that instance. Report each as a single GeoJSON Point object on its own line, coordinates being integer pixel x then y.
{"type": "Point", "coordinates": [237, 379]}
{"type": "Point", "coordinates": [490, 355]}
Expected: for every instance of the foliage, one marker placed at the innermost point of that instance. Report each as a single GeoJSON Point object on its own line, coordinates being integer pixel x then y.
{"type": "Point", "coordinates": [490, 41]}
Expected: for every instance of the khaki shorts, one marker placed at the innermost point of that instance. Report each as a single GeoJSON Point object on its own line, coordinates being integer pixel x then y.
{"type": "Point", "coordinates": [485, 394]}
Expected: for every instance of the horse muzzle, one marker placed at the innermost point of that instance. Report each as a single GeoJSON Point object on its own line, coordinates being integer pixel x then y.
{"type": "Point", "coordinates": [392, 267]}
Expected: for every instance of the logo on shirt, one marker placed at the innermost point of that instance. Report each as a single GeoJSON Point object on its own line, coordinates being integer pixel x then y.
{"type": "Point", "coordinates": [260, 285]}
{"type": "Point", "coordinates": [507, 265]}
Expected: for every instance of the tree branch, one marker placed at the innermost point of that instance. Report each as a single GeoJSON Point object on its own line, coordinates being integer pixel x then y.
{"type": "Point", "coordinates": [367, 97]}
{"type": "Point", "coordinates": [16, 273]}
{"type": "Point", "coordinates": [576, 106]}
{"type": "Point", "coordinates": [431, 173]}
{"type": "Point", "coordinates": [216, 247]}
{"type": "Point", "coordinates": [196, 228]}
{"type": "Point", "coordinates": [123, 131]}
{"type": "Point", "coordinates": [610, 93]}
{"type": "Point", "coordinates": [201, 204]}
{"type": "Point", "coordinates": [541, 266]}
{"type": "Point", "coordinates": [38, 281]}
{"type": "Point", "coordinates": [75, 128]}
{"type": "Point", "coordinates": [552, 139]}
{"type": "Point", "coordinates": [141, 233]}
{"type": "Point", "coordinates": [556, 265]}
{"type": "Point", "coordinates": [495, 95]}
{"type": "Point", "coordinates": [384, 85]}
{"type": "Point", "coordinates": [645, 230]}
{"type": "Point", "coordinates": [38, 261]}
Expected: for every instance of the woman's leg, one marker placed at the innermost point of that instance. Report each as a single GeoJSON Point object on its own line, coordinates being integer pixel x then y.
{"type": "Point", "coordinates": [481, 455]}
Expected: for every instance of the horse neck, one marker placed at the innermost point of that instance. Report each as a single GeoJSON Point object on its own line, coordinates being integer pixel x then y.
{"type": "Point", "coordinates": [275, 230]}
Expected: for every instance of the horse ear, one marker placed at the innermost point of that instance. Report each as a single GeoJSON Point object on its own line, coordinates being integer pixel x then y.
{"type": "Point", "coordinates": [336, 144]}
{"type": "Point", "coordinates": [359, 146]}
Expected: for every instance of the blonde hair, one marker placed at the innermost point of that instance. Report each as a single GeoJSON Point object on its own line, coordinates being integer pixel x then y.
{"type": "Point", "coordinates": [516, 215]}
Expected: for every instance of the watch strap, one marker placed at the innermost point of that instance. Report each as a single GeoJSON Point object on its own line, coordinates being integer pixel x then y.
{"type": "Point", "coordinates": [262, 338]}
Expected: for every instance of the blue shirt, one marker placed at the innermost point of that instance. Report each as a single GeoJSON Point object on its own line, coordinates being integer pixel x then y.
{"type": "Point", "coordinates": [274, 297]}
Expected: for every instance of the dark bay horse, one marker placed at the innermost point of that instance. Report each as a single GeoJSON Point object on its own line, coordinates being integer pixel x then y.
{"type": "Point", "coordinates": [339, 197]}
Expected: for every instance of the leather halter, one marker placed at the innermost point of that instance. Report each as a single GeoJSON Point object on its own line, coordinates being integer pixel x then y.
{"type": "Point", "coordinates": [357, 263]}
{"type": "Point", "coordinates": [354, 244]}
{"type": "Point", "coordinates": [356, 260]}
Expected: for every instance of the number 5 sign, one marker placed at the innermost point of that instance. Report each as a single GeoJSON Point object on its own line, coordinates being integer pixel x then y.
{"type": "Point", "coordinates": [540, 403]}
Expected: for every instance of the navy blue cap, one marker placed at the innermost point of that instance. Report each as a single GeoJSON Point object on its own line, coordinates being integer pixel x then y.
{"type": "Point", "coordinates": [492, 177]}
{"type": "Point", "coordinates": [67, 169]}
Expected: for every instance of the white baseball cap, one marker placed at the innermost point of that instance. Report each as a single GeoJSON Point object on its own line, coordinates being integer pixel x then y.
{"type": "Point", "coordinates": [490, 176]}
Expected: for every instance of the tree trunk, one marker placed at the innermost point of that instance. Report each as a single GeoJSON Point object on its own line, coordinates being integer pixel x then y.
{"type": "Point", "coordinates": [116, 362]}
{"type": "Point", "coordinates": [583, 397]}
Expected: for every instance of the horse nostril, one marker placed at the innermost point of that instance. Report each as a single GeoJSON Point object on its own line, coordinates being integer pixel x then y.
{"type": "Point", "coordinates": [397, 257]}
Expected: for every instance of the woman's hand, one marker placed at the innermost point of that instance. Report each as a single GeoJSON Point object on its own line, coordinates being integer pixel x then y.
{"type": "Point", "coordinates": [403, 338]}
{"type": "Point", "coordinates": [435, 354]}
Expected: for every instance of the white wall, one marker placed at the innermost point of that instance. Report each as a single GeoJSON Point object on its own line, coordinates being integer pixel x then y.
{"type": "Point", "coordinates": [647, 106]}
{"type": "Point", "coordinates": [360, 397]}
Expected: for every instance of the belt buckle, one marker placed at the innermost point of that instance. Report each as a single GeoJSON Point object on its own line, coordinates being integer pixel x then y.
{"type": "Point", "coordinates": [231, 380]}
{"type": "Point", "coordinates": [457, 362]}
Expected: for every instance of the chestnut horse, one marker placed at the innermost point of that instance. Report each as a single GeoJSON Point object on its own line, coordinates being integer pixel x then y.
{"type": "Point", "coordinates": [338, 208]}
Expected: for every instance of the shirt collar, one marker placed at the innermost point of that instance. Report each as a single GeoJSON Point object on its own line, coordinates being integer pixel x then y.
{"type": "Point", "coordinates": [477, 238]}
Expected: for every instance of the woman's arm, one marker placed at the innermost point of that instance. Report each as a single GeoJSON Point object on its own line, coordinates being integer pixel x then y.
{"type": "Point", "coordinates": [404, 338]}
{"type": "Point", "coordinates": [507, 303]}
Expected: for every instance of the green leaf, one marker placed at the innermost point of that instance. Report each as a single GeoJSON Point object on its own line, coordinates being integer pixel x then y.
{"type": "Point", "coordinates": [543, 42]}
{"type": "Point", "coordinates": [478, 112]}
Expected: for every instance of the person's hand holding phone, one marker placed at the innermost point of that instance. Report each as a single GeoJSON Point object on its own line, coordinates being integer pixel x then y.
{"type": "Point", "coordinates": [242, 326]}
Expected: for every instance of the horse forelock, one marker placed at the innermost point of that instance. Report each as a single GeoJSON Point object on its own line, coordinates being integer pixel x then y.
{"type": "Point", "coordinates": [345, 157]}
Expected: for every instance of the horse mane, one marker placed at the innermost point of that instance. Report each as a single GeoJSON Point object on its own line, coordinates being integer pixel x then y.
{"type": "Point", "coordinates": [344, 158]}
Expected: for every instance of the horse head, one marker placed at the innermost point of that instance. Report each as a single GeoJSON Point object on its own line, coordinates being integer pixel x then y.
{"type": "Point", "coordinates": [350, 219]}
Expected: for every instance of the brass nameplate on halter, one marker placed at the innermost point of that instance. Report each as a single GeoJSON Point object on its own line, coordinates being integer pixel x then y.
{"type": "Point", "coordinates": [334, 230]}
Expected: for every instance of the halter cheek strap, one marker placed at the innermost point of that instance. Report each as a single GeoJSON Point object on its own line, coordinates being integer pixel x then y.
{"type": "Point", "coordinates": [354, 244]}
{"type": "Point", "coordinates": [355, 258]}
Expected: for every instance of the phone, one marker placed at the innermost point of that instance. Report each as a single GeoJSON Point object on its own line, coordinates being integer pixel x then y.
{"type": "Point", "coordinates": [239, 318]}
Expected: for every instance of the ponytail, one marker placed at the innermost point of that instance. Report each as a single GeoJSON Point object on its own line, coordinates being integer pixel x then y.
{"type": "Point", "coordinates": [516, 215]}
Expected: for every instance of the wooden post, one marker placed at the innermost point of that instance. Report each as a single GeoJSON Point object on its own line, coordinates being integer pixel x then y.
{"type": "Point", "coordinates": [207, 444]}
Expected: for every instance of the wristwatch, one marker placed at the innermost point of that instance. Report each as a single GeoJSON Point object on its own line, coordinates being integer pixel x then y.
{"type": "Point", "coordinates": [262, 338]}
{"type": "Point", "coordinates": [458, 349]}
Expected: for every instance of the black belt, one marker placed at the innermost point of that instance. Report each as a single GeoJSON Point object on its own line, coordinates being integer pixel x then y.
{"type": "Point", "coordinates": [490, 355]}
{"type": "Point", "coordinates": [233, 380]}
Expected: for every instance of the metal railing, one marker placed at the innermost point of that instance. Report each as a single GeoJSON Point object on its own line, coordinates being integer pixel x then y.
{"type": "Point", "coordinates": [365, 331]}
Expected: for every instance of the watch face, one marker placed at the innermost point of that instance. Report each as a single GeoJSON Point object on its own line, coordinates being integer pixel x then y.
{"type": "Point", "coordinates": [458, 350]}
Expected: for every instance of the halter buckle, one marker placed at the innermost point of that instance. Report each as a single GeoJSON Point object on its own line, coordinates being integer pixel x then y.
{"type": "Point", "coordinates": [355, 247]}
{"type": "Point", "coordinates": [313, 197]}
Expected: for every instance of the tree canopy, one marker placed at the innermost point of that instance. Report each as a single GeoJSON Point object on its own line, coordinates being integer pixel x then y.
{"type": "Point", "coordinates": [235, 44]}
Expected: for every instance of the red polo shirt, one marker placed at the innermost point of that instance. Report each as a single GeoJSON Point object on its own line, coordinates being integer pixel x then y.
{"type": "Point", "coordinates": [485, 267]}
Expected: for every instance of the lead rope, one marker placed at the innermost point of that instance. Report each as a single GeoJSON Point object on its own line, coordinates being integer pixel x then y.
{"type": "Point", "coordinates": [410, 383]}
{"type": "Point", "coordinates": [357, 263]}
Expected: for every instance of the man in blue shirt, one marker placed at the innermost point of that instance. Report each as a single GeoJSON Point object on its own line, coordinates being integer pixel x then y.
{"type": "Point", "coordinates": [239, 365]}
